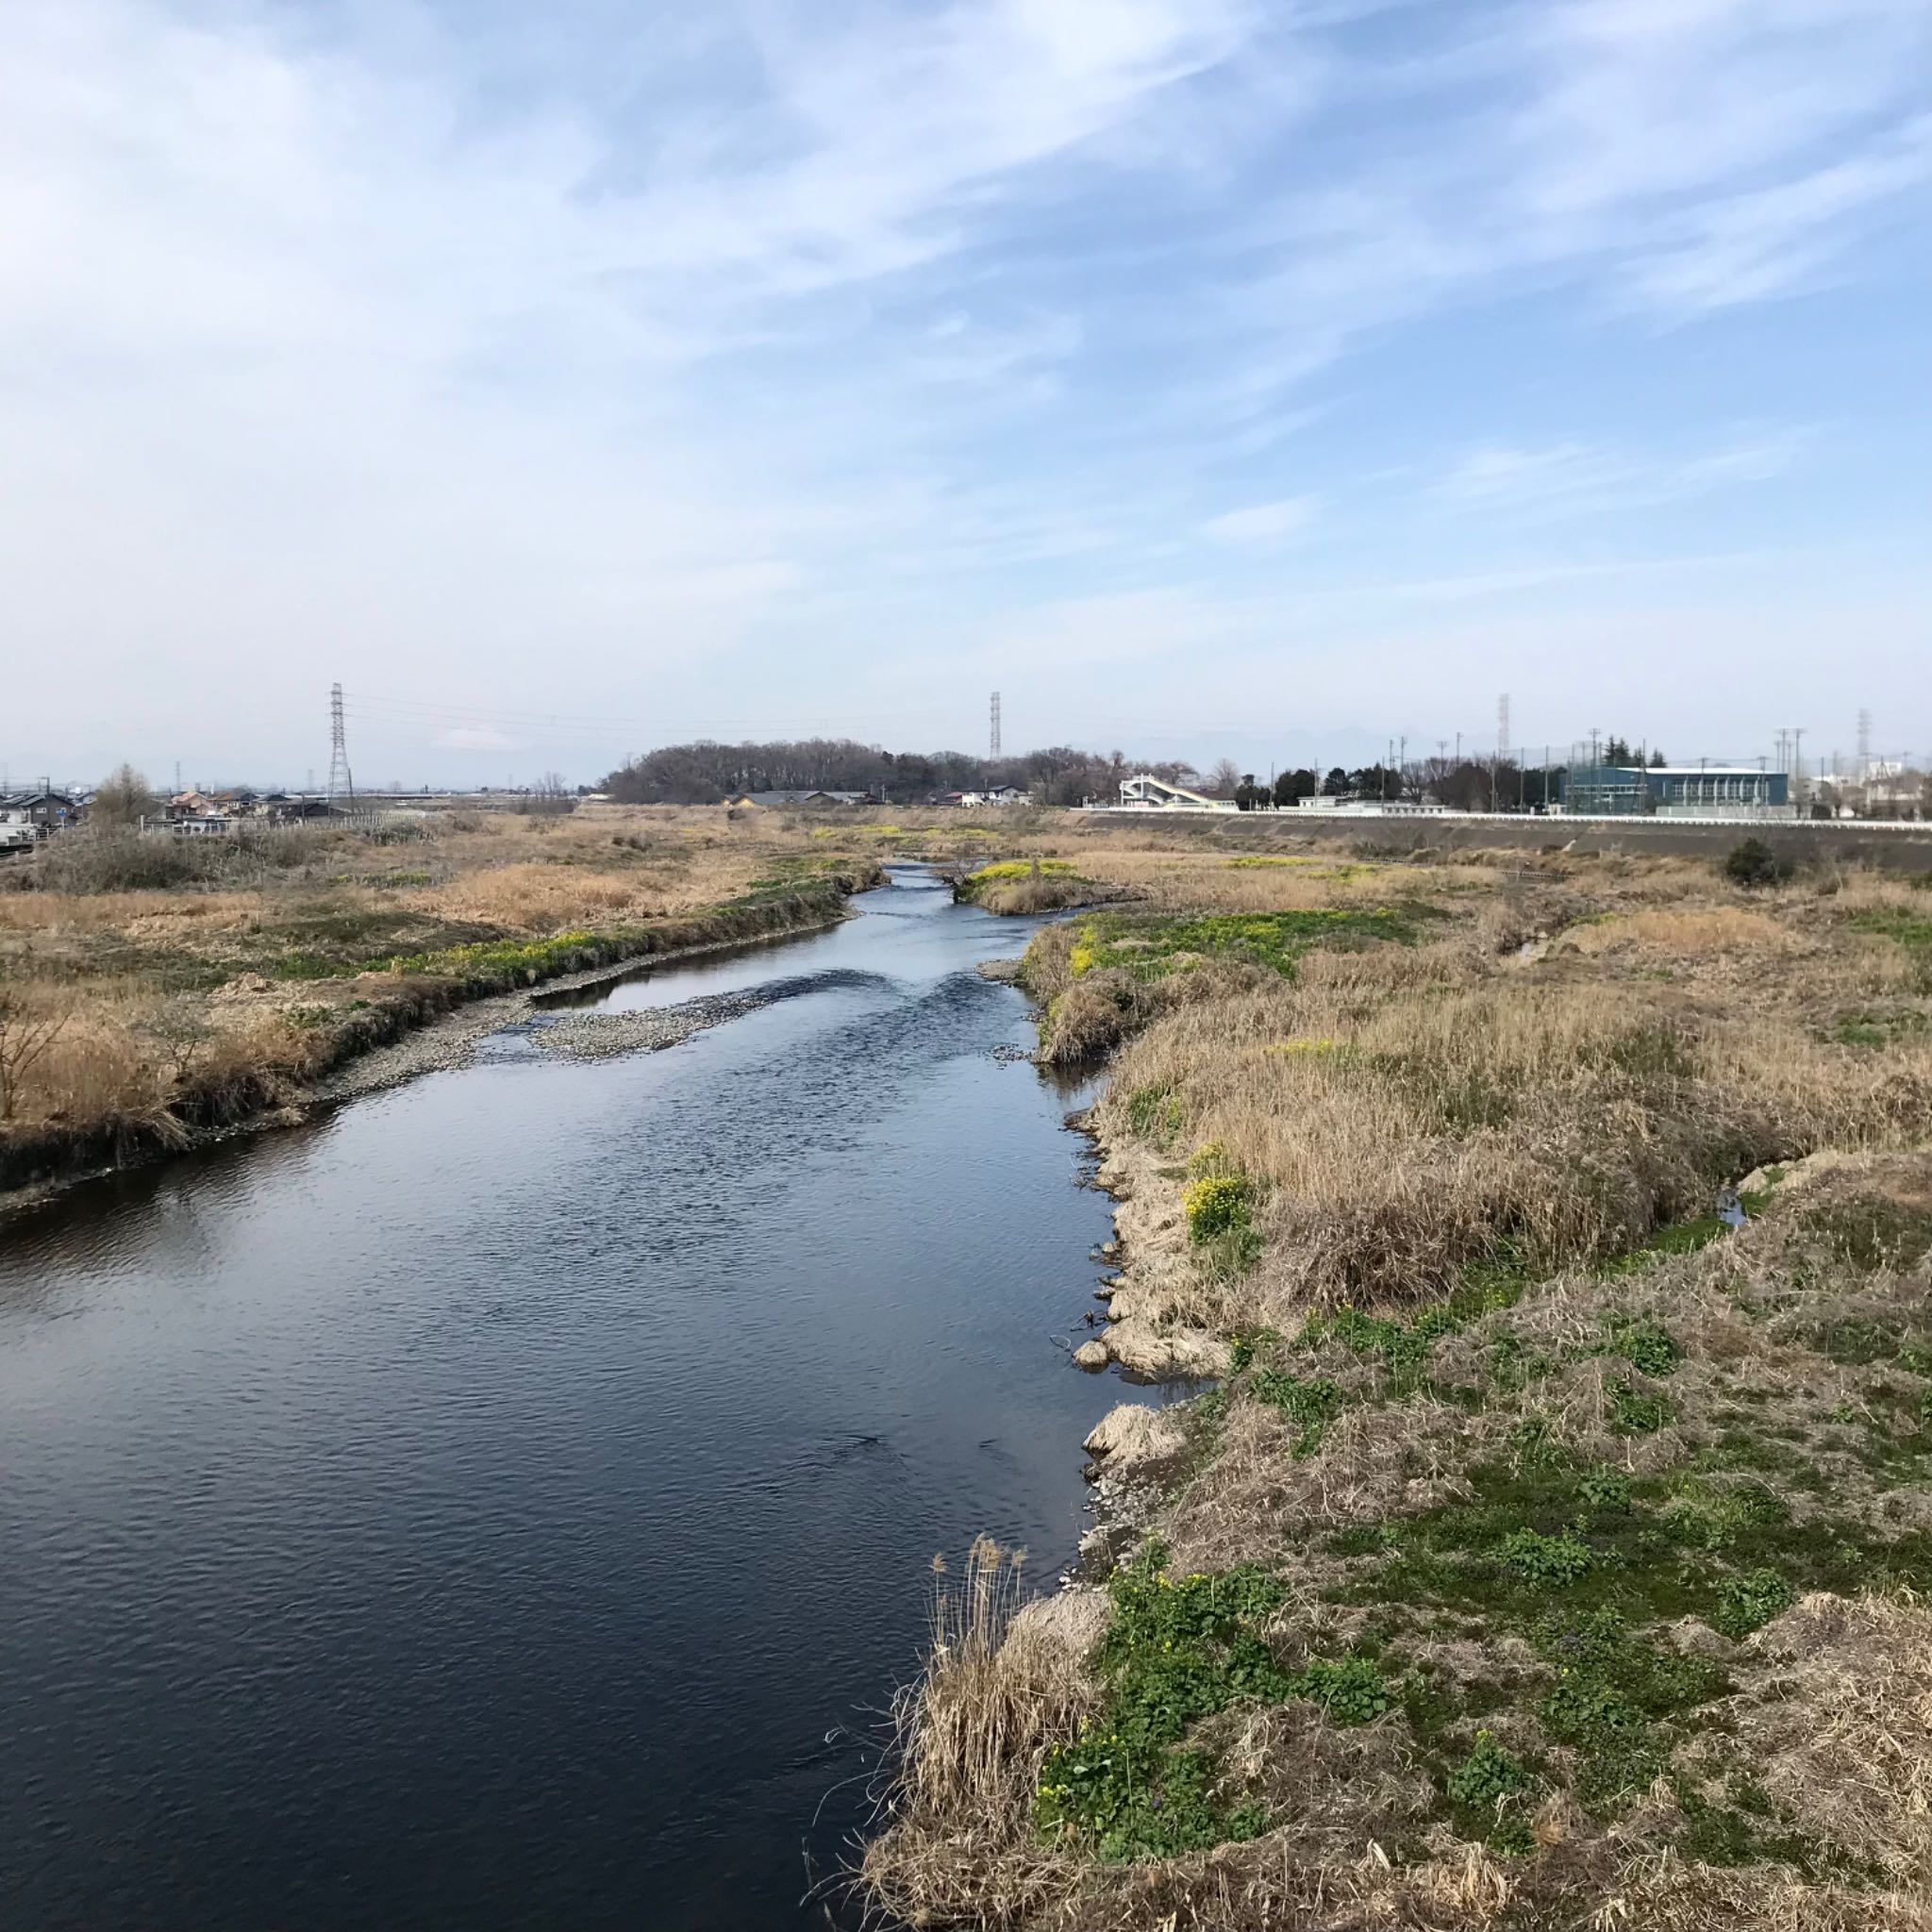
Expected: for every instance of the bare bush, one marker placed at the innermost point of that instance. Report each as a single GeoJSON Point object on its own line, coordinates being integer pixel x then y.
{"type": "Point", "coordinates": [116, 858]}
{"type": "Point", "coordinates": [28, 1030]}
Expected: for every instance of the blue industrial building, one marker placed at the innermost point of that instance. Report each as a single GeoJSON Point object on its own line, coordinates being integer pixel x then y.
{"type": "Point", "coordinates": [1633, 790]}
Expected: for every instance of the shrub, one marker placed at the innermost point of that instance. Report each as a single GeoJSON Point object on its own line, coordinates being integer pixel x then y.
{"type": "Point", "coordinates": [1753, 863]}
{"type": "Point", "coordinates": [119, 859]}
{"type": "Point", "coordinates": [1218, 1204]}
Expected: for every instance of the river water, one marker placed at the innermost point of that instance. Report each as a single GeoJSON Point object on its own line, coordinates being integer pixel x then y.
{"type": "Point", "coordinates": [510, 1501]}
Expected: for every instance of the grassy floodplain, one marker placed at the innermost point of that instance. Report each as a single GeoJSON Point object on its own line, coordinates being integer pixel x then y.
{"type": "Point", "coordinates": [1550, 1552]}
{"type": "Point", "coordinates": [152, 989]}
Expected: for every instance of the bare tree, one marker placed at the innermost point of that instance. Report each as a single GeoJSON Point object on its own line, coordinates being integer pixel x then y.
{"type": "Point", "coordinates": [124, 799]}
{"type": "Point", "coordinates": [26, 1031]}
{"type": "Point", "coordinates": [550, 797]}
{"type": "Point", "coordinates": [181, 1034]}
{"type": "Point", "coordinates": [1225, 779]}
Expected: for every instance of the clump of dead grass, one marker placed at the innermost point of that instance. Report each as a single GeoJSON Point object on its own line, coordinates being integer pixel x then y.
{"type": "Point", "coordinates": [1002, 1688]}
{"type": "Point", "coordinates": [1838, 1726]}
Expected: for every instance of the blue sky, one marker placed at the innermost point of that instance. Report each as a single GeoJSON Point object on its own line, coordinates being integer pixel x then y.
{"type": "Point", "coordinates": [1204, 376]}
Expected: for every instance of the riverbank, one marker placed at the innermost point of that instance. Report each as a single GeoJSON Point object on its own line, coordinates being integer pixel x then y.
{"type": "Point", "coordinates": [138, 1021]}
{"type": "Point", "coordinates": [1550, 1548]}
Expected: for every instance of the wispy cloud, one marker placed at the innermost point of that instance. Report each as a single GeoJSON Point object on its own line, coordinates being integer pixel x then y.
{"type": "Point", "coordinates": [1571, 480]}
{"type": "Point", "coordinates": [1262, 525]}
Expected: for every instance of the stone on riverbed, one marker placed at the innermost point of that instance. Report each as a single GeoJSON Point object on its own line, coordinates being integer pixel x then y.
{"type": "Point", "coordinates": [1090, 1355]}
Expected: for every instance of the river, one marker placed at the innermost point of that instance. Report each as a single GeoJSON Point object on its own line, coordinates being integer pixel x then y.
{"type": "Point", "coordinates": [509, 1500]}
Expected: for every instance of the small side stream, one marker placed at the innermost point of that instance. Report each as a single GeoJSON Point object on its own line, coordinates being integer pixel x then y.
{"type": "Point", "coordinates": [509, 1501]}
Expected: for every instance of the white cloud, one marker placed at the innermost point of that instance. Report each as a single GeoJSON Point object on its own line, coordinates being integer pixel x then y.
{"type": "Point", "coordinates": [1262, 525]}
{"type": "Point", "coordinates": [1777, 239]}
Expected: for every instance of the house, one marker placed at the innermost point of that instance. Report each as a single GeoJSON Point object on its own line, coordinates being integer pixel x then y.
{"type": "Point", "coordinates": [27, 817]}
{"type": "Point", "coordinates": [1004, 794]}
{"type": "Point", "coordinates": [771, 801]}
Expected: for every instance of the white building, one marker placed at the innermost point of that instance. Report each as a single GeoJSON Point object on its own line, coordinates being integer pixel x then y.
{"type": "Point", "coordinates": [1145, 792]}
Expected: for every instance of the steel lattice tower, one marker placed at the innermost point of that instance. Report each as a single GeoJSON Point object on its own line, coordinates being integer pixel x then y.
{"type": "Point", "coordinates": [992, 738]}
{"type": "Point", "coordinates": [339, 783]}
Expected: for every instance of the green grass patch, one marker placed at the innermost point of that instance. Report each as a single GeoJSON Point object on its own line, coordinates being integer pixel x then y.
{"type": "Point", "coordinates": [1311, 1403]}
{"type": "Point", "coordinates": [1620, 1701]}
{"type": "Point", "coordinates": [1179, 1649]}
{"type": "Point", "coordinates": [1873, 1031]}
{"type": "Point", "coordinates": [1150, 949]}
{"type": "Point", "coordinates": [1648, 1346]}
{"type": "Point", "coordinates": [1484, 1793]}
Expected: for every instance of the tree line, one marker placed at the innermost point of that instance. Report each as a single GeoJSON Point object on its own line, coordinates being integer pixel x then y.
{"type": "Point", "coordinates": [705, 771]}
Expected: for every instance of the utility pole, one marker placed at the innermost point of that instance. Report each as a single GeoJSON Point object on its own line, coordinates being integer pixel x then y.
{"type": "Point", "coordinates": [1502, 748]}
{"type": "Point", "coordinates": [1798, 764]}
{"type": "Point", "coordinates": [339, 783]}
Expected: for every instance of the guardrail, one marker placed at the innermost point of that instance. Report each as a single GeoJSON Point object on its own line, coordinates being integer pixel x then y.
{"type": "Point", "coordinates": [1427, 816]}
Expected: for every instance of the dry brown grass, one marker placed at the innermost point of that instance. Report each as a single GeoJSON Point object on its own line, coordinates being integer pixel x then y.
{"type": "Point", "coordinates": [1686, 931]}
{"type": "Point", "coordinates": [1840, 1728]}
{"type": "Point", "coordinates": [1581, 1053]}
{"type": "Point", "coordinates": [1409, 1109]}
{"type": "Point", "coordinates": [1001, 1689]}
{"type": "Point", "coordinates": [184, 1004]}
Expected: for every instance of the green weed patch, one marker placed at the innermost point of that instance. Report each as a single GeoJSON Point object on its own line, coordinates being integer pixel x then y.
{"type": "Point", "coordinates": [1180, 1649]}
{"type": "Point", "coordinates": [1150, 949]}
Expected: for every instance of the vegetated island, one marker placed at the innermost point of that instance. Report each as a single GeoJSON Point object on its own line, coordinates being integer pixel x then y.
{"type": "Point", "coordinates": [1551, 1549]}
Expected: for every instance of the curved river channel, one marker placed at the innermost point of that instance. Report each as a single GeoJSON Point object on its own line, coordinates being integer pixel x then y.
{"type": "Point", "coordinates": [510, 1501]}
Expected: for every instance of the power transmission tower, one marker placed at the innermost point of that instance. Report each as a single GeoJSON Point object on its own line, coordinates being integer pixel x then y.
{"type": "Point", "coordinates": [1864, 746]}
{"type": "Point", "coordinates": [1502, 748]}
{"type": "Point", "coordinates": [993, 735]}
{"type": "Point", "coordinates": [339, 783]}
